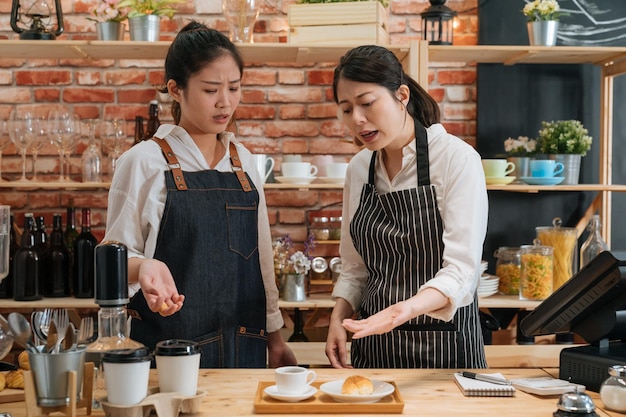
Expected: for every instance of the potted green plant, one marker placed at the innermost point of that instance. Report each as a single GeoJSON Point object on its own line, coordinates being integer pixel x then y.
{"type": "Point", "coordinates": [566, 141]}
{"type": "Point", "coordinates": [109, 18]}
{"type": "Point", "coordinates": [144, 17]}
{"type": "Point", "coordinates": [543, 21]}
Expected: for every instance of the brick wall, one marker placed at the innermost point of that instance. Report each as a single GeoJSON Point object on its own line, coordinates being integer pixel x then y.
{"type": "Point", "coordinates": [285, 109]}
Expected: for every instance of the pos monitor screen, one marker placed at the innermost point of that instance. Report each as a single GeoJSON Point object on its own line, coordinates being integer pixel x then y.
{"type": "Point", "coordinates": [592, 304]}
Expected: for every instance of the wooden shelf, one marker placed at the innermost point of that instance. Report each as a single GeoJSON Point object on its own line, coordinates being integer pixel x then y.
{"type": "Point", "coordinates": [54, 185]}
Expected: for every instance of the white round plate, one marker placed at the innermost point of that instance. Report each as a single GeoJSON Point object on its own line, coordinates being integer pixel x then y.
{"type": "Point", "coordinates": [333, 389]}
{"type": "Point", "coordinates": [331, 180]}
{"type": "Point", "coordinates": [499, 180]}
{"type": "Point", "coordinates": [487, 293]}
{"type": "Point", "coordinates": [295, 180]}
{"type": "Point", "coordinates": [272, 391]}
{"type": "Point", "coordinates": [542, 180]}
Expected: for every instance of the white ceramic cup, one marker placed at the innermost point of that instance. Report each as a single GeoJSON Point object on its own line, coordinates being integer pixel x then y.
{"type": "Point", "coordinates": [126, 374]}
{"type": "Point", "coordinates": [298, 169]}
{"type": "Point", "coordinates": [178, 363]}
{"type": "Point", "coordinates": [320, 161]}
{"type": "Point", "coordinates": [264, 164]}
{"type": "Point", "coordinates": [497, 168]}
{"type": "Point", "coordinates": [336, 170]}
{"type": "Point", "coordinates": [292, 158]}
{"type": "Point", "coordinates": [293, 380]}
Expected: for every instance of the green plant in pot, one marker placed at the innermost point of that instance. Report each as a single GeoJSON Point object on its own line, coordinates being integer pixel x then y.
{"type": "Point", "coordinates": [383, 2]}
{"type": "Point", "coordinates": [566, 141]}
{"type": "Point", "coordinates": [144, 17]}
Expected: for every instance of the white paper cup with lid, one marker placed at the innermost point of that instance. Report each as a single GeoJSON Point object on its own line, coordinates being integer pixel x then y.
{"type": "Point", "coordinates": [126, 373]}
{"type": "Point", "coordinates": [178, 362]}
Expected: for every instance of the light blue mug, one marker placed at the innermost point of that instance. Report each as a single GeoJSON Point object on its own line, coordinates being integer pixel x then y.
{"type": "Point", "coordinates": [545, 168]}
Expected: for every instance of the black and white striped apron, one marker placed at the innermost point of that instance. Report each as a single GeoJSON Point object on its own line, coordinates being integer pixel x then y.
{"type": "Point", "coordinates": [399, 237]}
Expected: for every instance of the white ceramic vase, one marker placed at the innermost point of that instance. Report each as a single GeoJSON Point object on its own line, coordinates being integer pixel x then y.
{"type": "Point", "coordinates": [543, 32]}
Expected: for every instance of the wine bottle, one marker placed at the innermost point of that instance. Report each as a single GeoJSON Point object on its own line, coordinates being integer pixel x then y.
{"type": "Point", "coordinates": [26, 265]}
{"type": "Point", "coordinates": [70, 229]}
{"type": "Point", "coordinates": [84, 247]}
{"type": "Point", "coordinates": [41, 243]}
{"type": "Point", "coordinates": [56, 262]}
{"type": "Point", "coordinates": [153, 120]}
{"type": "Point", "coordinates": [138, 129]}
{"type": "Point", "coordinates": [6, 286]}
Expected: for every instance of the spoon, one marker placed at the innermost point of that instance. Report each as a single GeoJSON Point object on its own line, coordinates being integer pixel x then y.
{"type": "Point", "coordinates": [52, 337]}
{"type": "Point", "coordinates": [68, 340]}
{"type": "Point", "coordinates": [21, 331]}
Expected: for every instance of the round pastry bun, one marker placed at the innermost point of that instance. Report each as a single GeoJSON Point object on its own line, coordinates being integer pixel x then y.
{"type": "Point", "coordinates": [357, 385]}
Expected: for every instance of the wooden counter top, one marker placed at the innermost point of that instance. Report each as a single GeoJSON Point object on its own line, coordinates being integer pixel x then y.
{"type": "Point", "coordinates": [425, 393]}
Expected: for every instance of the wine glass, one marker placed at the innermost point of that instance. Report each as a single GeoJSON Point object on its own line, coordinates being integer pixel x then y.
{"type": "Point", "coordinates": [4, 141]}
{"type": "Point", "coordinates": [39, 142]}
{"type": "Point", "coordinates": [113, 134]}
{"type": "Point", "coordinates": [92, 156]}
{"type": "Point", "coordinates": [22, 132]}
{"type": "Point", "coordinates": [62, 131]}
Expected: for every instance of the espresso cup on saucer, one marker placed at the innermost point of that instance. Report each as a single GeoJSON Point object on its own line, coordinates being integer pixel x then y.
{"type": "Point", "coordinates": [298, 169]}
{"type": "Point", "coordinates": [545, 168]}
{"type": "Point", "coordinates": [336, 170]}
{"type": "Point", "coordinates": [497, 168]}
{"type": "Point", "coordinates": [293, 380]}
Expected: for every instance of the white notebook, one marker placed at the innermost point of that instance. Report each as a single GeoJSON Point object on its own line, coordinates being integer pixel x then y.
{"type": "Point", "coordinates": [476, 388]}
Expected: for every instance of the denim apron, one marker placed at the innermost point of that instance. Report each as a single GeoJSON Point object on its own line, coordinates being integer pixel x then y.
{"type": "Point", "coordinates": [208, 238]}
{"type": "Point", "coordinates": [399, 237]}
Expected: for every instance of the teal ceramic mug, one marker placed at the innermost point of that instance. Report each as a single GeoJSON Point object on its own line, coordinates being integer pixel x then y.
{"type": "Point", "coordinates": [545, 168]}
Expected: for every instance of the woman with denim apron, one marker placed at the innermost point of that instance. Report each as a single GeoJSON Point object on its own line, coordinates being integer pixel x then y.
{"type": "Point", "coordinates": [187, 206]}
{"type": "Point", "coordinates": [415, 215]}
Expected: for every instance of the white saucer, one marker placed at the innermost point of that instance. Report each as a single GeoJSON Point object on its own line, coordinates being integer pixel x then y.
{"type": "Point", "coordinates": [333, 388]}
{"type": "Point", "coordinates": [272, 391]}
{"type": "Point", "coordinates": [482, 294]}
{"type": "Point", "coordinates": [499, 180]}
{"type": "Point", "coordinates": [332, 180]}
{"type": "Point", "coordinates": [295, 180]}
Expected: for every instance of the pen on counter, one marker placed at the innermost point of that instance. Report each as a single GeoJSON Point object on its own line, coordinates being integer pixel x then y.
{"type": "Point", "coordinates": [486, 378]}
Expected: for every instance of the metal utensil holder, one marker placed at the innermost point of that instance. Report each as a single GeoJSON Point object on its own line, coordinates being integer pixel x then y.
{"type": "Point", "coordinates": [30, 394]}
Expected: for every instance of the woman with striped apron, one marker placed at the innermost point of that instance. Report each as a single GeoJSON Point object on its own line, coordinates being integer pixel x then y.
{"type": "Point", "coordinates": [395, 238]}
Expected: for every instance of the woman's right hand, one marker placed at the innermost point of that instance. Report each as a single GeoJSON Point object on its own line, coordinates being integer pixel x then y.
{"type": "Point", "coordinates": [158, 287]}
{"type": "Point", "coordinates": [337, 339]}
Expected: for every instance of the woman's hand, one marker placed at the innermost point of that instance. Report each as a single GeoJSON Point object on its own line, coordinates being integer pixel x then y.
{"type": "Point", "coordinates": [381, 322]}
{"type": "Point", "coordinates": [337, 339]}
{"type": "Point", "coordinates": [158, 287]}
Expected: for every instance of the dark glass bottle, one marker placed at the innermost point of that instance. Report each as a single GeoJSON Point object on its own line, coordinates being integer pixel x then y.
{"type": "Point", "coordinates": [83, 266]}
{"type": "Point", "coordinates": [70, 229]}
{"type": "Point", "coordinates": [26, 265]}
{"type": "Point", "coordinates": [56, 263]}
{"type": "Point", "coordinates": [6, 286]}
{"type": "Point", "coordinates": [153, 120]}
{"type": "Point", "coordinates": [41, 242]}
{"type": "Point", "coordinates": [138, 129]}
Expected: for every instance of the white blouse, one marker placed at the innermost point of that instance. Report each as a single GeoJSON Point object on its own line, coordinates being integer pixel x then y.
{"type": "Point", "coordinates": [458, 177]}
{"type": "Point", "coordinates": [137, 200]}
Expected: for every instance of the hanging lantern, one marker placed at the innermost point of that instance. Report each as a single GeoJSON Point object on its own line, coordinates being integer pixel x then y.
{"type": "Point", "coordinates": [437, 23]}
{"type": "Point", "coordinates": [31, 19]}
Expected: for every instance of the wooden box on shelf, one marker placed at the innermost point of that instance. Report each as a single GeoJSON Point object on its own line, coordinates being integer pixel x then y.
{"type": "Point", "coordinates": [357, 22]}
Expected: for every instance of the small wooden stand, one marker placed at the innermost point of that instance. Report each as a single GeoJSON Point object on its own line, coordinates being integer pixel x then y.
{"type": "Point", "coordinates": [30, 393]}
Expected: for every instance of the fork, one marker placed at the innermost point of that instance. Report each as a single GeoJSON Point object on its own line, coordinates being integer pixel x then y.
{"type": "Point", "coordinates": [85, 331]}
{"type": "Point", "coordinates": [44, 323]}
{"type": "Point", "coordinates": [61, 320]}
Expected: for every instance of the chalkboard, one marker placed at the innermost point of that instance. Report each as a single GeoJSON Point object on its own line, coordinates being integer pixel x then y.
{"type": "Point", "coordinates": [513, 100]}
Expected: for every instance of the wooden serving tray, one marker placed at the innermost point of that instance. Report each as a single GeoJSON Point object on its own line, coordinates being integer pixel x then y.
{"type": "Point", "coordinates": [321, 403]}
{"type": "Point", "coordinates": [11, 395]}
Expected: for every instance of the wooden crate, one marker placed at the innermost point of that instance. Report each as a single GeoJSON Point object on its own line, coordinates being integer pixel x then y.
{"type": "Point", "coordinates": [357, 22]}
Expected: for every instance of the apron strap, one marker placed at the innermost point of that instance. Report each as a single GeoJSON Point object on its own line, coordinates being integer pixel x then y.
{"type": "Point", "coordinates": [237, 169]}
{"type": "Point", "coordinates": [172, 162]}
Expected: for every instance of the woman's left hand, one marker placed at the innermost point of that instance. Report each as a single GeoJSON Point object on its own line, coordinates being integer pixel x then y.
{"type": "Point", "coordinates": [381, 322]}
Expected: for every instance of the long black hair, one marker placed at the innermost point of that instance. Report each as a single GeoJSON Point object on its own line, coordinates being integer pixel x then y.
{"type": "Point", "coordinates": [378, 65]}
{"type": "Point", "coordinates": [194, 47]}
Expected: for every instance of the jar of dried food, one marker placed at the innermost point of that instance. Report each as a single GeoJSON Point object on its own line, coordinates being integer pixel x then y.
{"type": "Point", "coordinates": [564, 240]}
{"type": "Point", "coordinates": [319, 268]}
{"type": "Point", "coordinates": [320, 227]}
{"type": "Point", "coordinates": [536, 272]}
{"type": "Point", "coordinates": [335, 228]}
{"type": "Point", "coordinates": [508, 269]}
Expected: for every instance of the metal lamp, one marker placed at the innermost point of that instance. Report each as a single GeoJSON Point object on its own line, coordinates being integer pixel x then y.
{"type": "Point", "coordinates": [34, 17]}
{"type": "Point", "coordinates": [437, 23]}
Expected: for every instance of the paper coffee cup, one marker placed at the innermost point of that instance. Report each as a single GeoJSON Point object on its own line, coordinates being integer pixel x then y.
{"type": "Point", "coordinates": [126, 374]}
{"type": "Point", "coordinates": [178, 362]}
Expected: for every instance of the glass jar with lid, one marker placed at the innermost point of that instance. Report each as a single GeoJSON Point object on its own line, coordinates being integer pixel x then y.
{"type": "Point", "coordinates": [613, 390]}
{"type": "Point", "coordinates": [536, 272]}
{"type": "Point", "coordinates": [508, 269]}
{"type": "Point", "coordinates": [564, 241]}
{"type": "Point", "coordinates": [320, 228]}
{"type": "Point", "coordinates": [335, 228]}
